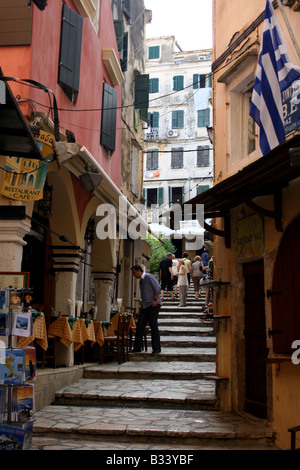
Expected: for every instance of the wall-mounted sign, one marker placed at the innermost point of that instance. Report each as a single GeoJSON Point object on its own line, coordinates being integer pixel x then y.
{"type": "Point", "coordinates": [249, 237]}
{"type": "Point", "coordinates": [23, 178]}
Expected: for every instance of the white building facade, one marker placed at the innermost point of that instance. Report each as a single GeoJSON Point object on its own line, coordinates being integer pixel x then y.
{"type": "Point", "coordinates": [178, 161]}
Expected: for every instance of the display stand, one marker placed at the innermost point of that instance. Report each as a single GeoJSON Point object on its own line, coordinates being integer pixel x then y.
{"type": "Point", "coordinates": [17, 370]}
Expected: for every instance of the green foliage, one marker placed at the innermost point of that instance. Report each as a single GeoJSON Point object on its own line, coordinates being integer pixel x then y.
{"type": "Point", "coordinates": [159, 251]}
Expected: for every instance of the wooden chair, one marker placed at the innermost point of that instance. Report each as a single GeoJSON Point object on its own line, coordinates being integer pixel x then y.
{"type": "Point", "coordinates": [113, 345]}
{"type": "Point", "coordinates": [133, 330]}
{"type": "Point", "coordinates": [50, 354]}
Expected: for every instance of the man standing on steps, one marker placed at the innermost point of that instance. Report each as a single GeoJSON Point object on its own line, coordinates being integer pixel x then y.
{"type": "Point", "coordinates": [166, 275]}
{"type": "Point", "coordinates": [150, 306]}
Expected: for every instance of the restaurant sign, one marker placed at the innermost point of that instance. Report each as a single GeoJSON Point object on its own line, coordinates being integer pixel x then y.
{"type": "Point", "coordinates": [249, 237]}
{"type": "Point", "coordinates": [24, 178]}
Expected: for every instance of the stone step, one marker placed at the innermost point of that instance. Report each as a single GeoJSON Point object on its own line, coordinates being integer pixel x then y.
{"type": "Point", "coordinates": [139, 425]}
{"type": "Point", "coordinates": [185, 331]}
{"type": "Point", "coordinates": [186, 341]}
{"type": "Point", "coordinates": [175, 370]}
{"type": "Point", "coordinates": [193, 394]}
{"type": "Point", "coordinates": [168, 320]}
{"type": "Point", "coordinates": [177, 354]}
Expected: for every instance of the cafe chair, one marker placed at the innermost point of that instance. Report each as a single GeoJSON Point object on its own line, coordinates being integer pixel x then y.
{"type": "Point", "coordinates": [113, 345]}
{"type": "Point", "coordinates": [133, 330]}
{"type": "Point", "coordinates": [49, 356]}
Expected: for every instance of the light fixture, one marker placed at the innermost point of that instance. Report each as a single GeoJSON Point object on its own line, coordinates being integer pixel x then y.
{"type": "Point", "coordinates": [90, 181]}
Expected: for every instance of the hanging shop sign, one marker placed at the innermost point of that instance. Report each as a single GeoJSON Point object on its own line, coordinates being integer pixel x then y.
{"type": "Point", "coordinates": [24, 179]}
{"type": "Point", "coordinates": [249, 238]}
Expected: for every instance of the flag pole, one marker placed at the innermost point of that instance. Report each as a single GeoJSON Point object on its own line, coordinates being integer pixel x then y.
{"type": "Point", "coordinates": [289, 27]}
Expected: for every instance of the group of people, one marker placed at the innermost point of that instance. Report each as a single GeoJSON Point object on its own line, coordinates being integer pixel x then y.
{"type": "Point", "coordinates": [173, 273]}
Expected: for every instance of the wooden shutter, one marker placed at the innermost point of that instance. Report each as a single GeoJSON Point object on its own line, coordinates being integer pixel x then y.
{"type": "Point", "coordinates": [124, 60]}
{"type": "Point", "coordinates": [203, 155]}
{"type": "Point", "coordinates": [178, 82]}
{"type": "Point", "coordinates": [70, 51]}
{"type": "Point", "coordinates": [203, 117]}
{"type": "Point", "coordinates": [196, 80]}
{"type": "Point", "coordinates": [153, 85]}
{"type": "Point", "coordinates": [15, 23]}
{"type": "Point", "coordinates": [141, 92]}
{"type": "Point", "coordinates": [127, 8]}
{"type": "Point", "coordinates": [177, 158]}
{"type": "Point", "coordinates": [177, 119]}
{"type": "Point", "coordinates": [153, 52]}
{"type": "Point", "coordinates": [109, 114]}
{"type": "Point", "coordinates": [119, 30]}
{"type": "Point", "coordinates": [160, 199]}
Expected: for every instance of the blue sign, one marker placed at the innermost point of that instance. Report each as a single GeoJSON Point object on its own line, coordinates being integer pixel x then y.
{"type": "Point", "coordinates": [291, 107]}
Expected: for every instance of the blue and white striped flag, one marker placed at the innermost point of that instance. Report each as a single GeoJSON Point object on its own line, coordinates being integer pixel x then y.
{"type": "Point", "coordinates": [274, 74]}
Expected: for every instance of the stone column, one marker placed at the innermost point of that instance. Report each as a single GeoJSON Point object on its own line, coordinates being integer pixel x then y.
{"type": "Point", "coordinates": [11, 243]}
{"type": "Point", "coordinates": [104, 295]}
{"type": "Point", "coordinates": [66, 267]}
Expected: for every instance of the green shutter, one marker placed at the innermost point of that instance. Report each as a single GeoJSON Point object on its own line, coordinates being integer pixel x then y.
{"type": "Point", "coordinates": [141, 95]}
{"type": "Point", "coordinates": [160, 198]}
{"type": "Point", "coordinates": [203, 117]}
{"type": "Point", "coordinates": [127, 8]}
{"type": "Point", "coordinates": [153, 85]}
{"type": "Point", "coordinates": [119, 30]}
{"type": "Point", "coordinates": [108, 122]}
{"type": "Point", "coordinates": [125, 53]}
{"type": "Point", "coordinates": [178, 82]}
{"type": "Point", "coordinates": [155, 119]}
{"type": "Point", "coordinates": [70, 51]}
{"type": "Point", "coordinates": [153, 52]}
{"type": "Point", "coordinates": [196, 80]}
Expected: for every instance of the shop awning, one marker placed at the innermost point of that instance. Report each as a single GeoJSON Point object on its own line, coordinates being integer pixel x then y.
{"type": "Point", "coordinates": [264, 177]}
{"type": "Point", "coordinates": [16, 139]}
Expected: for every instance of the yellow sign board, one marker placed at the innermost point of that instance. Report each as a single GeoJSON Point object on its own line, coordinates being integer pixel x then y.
{"type": "Point", "coordinates": [249, 237]}
{"type": "Point", "coordinates": [23, 178]}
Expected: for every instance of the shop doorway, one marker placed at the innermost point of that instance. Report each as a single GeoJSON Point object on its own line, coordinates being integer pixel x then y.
{"type": "Point", "coordinates": [255, 340]}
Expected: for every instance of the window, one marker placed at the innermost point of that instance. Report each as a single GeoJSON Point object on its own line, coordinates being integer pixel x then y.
{"type": "Point", "coordinates": [175, 195]}
{"type": "Point", "coordinates": [153, 52]}
{"type": "Point", "coordinates": [178, 82]}
{"type": "Point", "coordinates": [203, 155]}
{"type": "Point", "coordinates": [203, 117]}
{"type": "Point", "coordinates": [154, 196]}
{"type": "Point", "coordinates": [202, 80]}
{"type": "Point", "coordinates": [243, 137]}
{"type": "Point", "coordinates": [152, 160]}
{"type": "Point", "coordinates": [108, 122]}
{"type": "Point", "coordinates": [122, 42]}
{"type": "Point", "coordinates": [177, 158]}
{"type": "Point", "coordinates": [70, 52]}
{"type": "Point", "coordinates": [153, 119]}
{"type": "Point", "coordinates": [201, 188]}
{"type": "Point", "coordinates": [89, 9]}
{"type": "Point", "coordinates": [177, 119]}
{"type": "Point", "coordinates": [153, 85]}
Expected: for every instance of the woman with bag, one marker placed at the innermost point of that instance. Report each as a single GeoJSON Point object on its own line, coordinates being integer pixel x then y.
{"type": "Point", "coordinates": [197, 275]}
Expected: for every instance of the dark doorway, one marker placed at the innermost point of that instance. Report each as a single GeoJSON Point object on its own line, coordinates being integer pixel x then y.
{"type": "Point", "coordinates": [255, 340]}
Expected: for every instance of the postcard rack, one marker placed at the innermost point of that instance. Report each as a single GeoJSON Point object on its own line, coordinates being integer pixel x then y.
{"type": "Point", "coordinates": [17, 372]}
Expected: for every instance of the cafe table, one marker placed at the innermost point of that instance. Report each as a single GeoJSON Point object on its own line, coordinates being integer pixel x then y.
{"type": "Point", "coordinates": [39, 332]}
{"type": "Point", "coordinates": [69, 330]}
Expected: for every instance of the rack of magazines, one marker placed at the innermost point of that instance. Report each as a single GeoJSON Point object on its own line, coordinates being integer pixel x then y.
{"type": "Point", "coordinates": [17, 371]}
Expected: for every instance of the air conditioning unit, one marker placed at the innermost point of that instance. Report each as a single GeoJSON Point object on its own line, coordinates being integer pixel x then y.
{"type": "Point", "coordinates": [172, 133]}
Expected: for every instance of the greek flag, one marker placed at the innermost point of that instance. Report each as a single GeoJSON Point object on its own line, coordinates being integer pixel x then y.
{"type": "Point", "coordinates": [274, 74]}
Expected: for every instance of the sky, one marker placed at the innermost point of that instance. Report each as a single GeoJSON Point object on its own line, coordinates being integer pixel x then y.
{"type": "Point", "coordinates": [190, 21]}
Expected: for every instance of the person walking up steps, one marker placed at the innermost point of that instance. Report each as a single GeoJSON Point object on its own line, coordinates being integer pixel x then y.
{"type": "Point", "coordinates": [166, 275]}
{"type": "Point", "coordinates": [150, 306]}
{"type": "Point", "coordinates": [182, 283]}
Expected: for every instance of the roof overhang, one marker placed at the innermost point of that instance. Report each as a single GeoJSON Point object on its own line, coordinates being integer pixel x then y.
{"type": "Point", "coordinates": [16, 139]}
{"type": "Point", "coordinates": [266, 176]}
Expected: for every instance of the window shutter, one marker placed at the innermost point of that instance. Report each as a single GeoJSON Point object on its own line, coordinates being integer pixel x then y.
{"type": "Point", "coordinates": [203, 117]}
{"type": "Point", "coordinates": [153, 85]}
{"type": "Point", "coordinates": [109, 113]}
{"type": "Point", "coordinates": [125, 53]}
{"type": "Point", "coordinates": [153, 52]}
{"type": "Point", "coordinates": [141, 94]}
{"type": "Point", "coordinates": [196, 80]}
{"type": "Point", "coordinates": [152, 160]}
{"type": "Point", "coordinates": [127, 8]}
{"type": "Point", "coordinates": [202, 188]}
{"type": "Point", "coordinates": [203, 155]}
{"type": "Point", "coordinates": [177, 119]}
{"type": "Point", "coordinates": [160, 196]}
{"type": "Point", "coordinates": [119, 30]}
{"type": "Point", "coordinates": [177, 158]}
{"type": "Point", "coordinates": [70, 51]}
{"type": "Point", "coordinates": [178, 82]}
{"type": "Point", "coordinates": [155, 119]}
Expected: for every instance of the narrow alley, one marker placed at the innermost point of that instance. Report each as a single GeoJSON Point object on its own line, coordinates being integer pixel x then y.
{"type": "Point", "coordinates": [165, 401]}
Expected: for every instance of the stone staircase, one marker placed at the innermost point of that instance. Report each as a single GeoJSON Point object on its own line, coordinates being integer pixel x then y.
{"type": "Point", "coordinates": [154, 400]}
